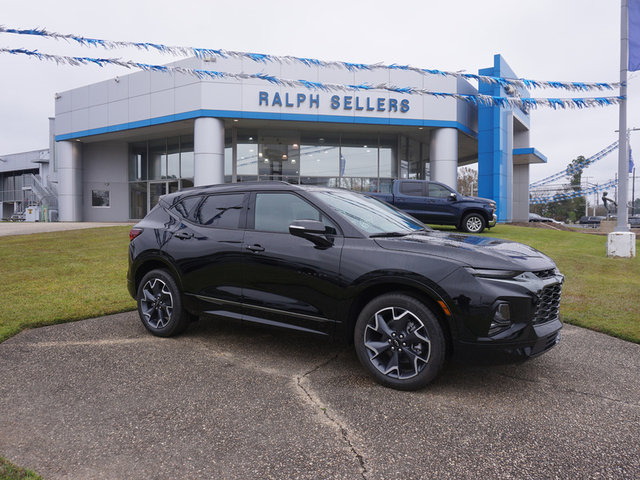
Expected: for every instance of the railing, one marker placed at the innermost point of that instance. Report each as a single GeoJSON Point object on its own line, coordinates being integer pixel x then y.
{"type": "Point", "coordinates": [46, 195]}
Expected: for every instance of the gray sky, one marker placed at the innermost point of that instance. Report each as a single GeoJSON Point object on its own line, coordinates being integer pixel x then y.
{"type": "Point", "coordinates": [564, 40]}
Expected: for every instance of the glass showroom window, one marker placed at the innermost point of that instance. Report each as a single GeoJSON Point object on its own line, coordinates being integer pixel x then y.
{"type": "Point", "coordinates": [187, 162]}
{"type": "Point", "coordinates": [359, 163]}
{"type": "Point", "coordinates": [319, 159]}
{"type": "Point", "coordinates": [247, 160]}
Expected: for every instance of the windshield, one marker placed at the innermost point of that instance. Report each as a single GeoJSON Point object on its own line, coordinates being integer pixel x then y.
{"type": "Point", "coordinates": [369, 214]}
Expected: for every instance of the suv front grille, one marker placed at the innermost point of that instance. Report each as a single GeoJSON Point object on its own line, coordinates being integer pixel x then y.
{"type": "Point", "coordinates": [548, 304]}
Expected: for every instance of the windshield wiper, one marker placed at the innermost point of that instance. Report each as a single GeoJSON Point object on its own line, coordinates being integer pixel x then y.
{"type": "Point", "coordinates": [389, 234]}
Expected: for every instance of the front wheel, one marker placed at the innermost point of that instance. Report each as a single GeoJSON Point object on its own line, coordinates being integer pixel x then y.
{"type": "Point", "coordinates": [160, 304]}
{"type": "Point", "coordinates": [473, 223]}
{"type": "Point", "coordinates": [400, 342]}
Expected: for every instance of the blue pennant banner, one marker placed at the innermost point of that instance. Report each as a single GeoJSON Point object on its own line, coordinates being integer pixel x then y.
{"type": "Point", "coordinates": [535, 199]}
{"type": "Point", "coordinates": [506, 102]}
{"type": "Point", "coordinates": [265, 58]}
{"type": "Point", "coordinates": [574, 168]}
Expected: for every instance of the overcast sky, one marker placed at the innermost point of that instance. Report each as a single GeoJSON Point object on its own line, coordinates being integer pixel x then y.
{"type": "Point", "coordinates": [564, 40]}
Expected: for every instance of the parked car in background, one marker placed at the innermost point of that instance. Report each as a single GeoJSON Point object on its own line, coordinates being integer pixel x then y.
{"type": "Point", "coordinates": [634, 221]}
{"type": "Point", "coordinates": [591, 220]}
{"type": "Point", "coordinates": [437, 203]}
{"type": "Point", "coordinates": [534, 217]}
{"type": "Point", "coordinates": [341, 264]}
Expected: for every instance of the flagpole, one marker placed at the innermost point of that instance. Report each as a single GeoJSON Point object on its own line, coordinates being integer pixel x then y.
{"type": "Point", "coordinates": [623, 150]}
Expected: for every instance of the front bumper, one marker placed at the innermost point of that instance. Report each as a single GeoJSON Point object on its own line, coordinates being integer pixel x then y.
{"type": "Point", "coordinates": [534, 341]}
{"type": "Point", "coordinates": [493, 221]}
{"type": "Point", "coordinates": [531, 328]}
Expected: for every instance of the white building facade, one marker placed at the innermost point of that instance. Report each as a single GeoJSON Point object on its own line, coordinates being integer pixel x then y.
{"type": "Point", "coordinates": [122, 143]}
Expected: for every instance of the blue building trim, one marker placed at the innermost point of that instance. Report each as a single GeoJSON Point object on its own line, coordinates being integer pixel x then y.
{"type": "Point", "coordinates": [530, 151]}
{"type": "Point", "coordinates": [495, 152]}
{"type": "Point", "coordinates": [266, 116]}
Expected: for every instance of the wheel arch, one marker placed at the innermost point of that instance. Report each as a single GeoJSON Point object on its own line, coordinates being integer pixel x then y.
{"type": "Point", "coordinates": [425, 294]}
{"type": "Point", "coordinates": [152, 263]}
{"type": "Point", "coordinates": [477, 210]}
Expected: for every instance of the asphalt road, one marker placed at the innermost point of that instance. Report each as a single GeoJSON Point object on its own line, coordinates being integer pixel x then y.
{"type": "Point", "coordinates": [102, 398]}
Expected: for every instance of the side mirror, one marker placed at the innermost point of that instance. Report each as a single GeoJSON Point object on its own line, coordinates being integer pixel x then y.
{"type": "Point", "coordinates": [311, 230]}
{"type": "Point", "coordinates": [453, 197]}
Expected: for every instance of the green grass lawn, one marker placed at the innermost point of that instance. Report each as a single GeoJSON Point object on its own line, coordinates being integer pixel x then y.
{"type": "Point", "coordinates": [9, 471]}
{"type": "Point", "coordinates": [59, 277]}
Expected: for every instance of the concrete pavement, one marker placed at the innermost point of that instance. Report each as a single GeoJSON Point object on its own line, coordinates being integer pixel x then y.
{"type": "Point", "coordinates": [102, 398]}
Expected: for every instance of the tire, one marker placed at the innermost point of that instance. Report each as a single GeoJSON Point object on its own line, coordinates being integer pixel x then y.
{"type": "Point", "coordinates": [160, 304]}
{"type": "Point", "coordinates": [399, 342]}
{"type": "Point", "coordinates": [473, 223]}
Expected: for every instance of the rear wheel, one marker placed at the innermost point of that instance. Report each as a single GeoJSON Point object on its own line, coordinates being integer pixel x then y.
{"type": "Point", "coordinates": [473, 223]}
{"type": "Point", "coordinates": [399, 341]}
{"type": "Point", "coordinates": [160, 304]}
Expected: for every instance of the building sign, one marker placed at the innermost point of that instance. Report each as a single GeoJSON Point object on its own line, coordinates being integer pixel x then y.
{"type": "Point", "coordinates": [362, 103]}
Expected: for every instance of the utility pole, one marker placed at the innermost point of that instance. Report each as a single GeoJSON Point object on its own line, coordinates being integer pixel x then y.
{"type": "Point", "coordinates": [623, 154]}
{"type": "Point", "coordinates": [622, 242]}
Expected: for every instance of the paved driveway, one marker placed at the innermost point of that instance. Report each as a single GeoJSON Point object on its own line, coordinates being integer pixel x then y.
{"type": "Point", "coordinates": [103, 399]}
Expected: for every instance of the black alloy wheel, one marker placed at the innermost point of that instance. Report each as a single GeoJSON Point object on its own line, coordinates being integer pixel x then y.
{"type": "Point", "coordinates": [160, 304]}
{"type": "Point", "coordinates": [399, 341]}
{"type": "Point", "coordinates": [473, 223]}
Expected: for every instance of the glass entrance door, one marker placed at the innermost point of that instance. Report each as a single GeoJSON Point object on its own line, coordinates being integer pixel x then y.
{"type": "Point", "coordinates": [157, 189]}
{"type": "Point", "coordinates": [279, 162]}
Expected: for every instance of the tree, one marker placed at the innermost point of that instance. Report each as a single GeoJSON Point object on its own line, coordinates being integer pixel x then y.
{"type": "Point", "coordinates": [570, 209]}
{"type": "Point", "coordinates": [468, 181]}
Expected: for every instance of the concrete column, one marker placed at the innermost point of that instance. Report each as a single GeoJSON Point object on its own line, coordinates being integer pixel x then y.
{"type": "Point", "coordinates": [520, 211]}
{"type": "Point", "coordinates": [443, 156]}
{"type": "Point", "coordinates": [208, 151]}
{"type": "Point", "coordinates": [69, 157]}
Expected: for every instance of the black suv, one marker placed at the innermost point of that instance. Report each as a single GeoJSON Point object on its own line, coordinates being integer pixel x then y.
{"type": "Point", "coordinates": [337, 263]}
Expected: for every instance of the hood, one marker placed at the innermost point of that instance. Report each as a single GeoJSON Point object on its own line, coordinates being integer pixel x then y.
{"type": "Point", "coordinates": [472, 251]}
{"type": "Point", "coordinates": [467, 198]}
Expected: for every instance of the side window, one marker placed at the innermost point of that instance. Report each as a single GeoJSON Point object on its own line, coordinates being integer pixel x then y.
{"type": "Point", "coordinates": [438, 191]}
{"type": "Point", "coordinates": [412, 188]}
{"type": "Point", "coordinates": [221, 211]}
{"type": "Point", "coordinates": [186, 208]}
{"type": "Point", "coordinates": [274, 212]}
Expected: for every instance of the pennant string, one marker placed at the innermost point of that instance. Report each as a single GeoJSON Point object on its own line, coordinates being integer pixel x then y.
{"type": "Point", "coordinates": [510, 102]}
{"type": "Point", "coordinates": [576, 167]}
{"type": "Point", "coordinates": [536, 199]}
{"type": "Point", "coordinates": [265, 58]}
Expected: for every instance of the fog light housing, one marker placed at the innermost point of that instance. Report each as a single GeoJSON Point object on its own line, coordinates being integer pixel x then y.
{"type": "Point", "coordinates": [501, 318]}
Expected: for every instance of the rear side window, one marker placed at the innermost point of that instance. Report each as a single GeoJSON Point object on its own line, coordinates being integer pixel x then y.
{"type": "Point", "coordinates": [186, 208]}
{"type": "Point", "coordinates": [412, 188]}
{"type": "Point", "coordinates": [221, 211]}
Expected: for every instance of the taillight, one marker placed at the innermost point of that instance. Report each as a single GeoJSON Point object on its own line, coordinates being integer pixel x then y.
{"type": "Point", "coordinates": [134, 232]}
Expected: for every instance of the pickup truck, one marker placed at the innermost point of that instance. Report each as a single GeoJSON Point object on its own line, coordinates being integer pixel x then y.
{"type": "Point", "coordinates": [437, 203]}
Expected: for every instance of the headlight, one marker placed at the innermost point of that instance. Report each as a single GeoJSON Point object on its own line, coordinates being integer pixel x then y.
{"type": "Point", "coordinates": [491, 273]}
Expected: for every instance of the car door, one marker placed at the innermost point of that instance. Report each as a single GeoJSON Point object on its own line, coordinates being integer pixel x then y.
{"type": "Point", "coordinates": [206, 247]}
{"type": "Point", "coordinates": [440, 204]}
{"type": "Point", "coordinates": [411, 197]}
{"type": "Point", "coordinates": [289, 280]}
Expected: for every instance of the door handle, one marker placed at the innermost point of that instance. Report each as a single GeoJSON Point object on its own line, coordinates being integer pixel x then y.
{"type": "Point", "coordinates": [255, 248]}
{"type": "Point", "coordinates": [183, 235]}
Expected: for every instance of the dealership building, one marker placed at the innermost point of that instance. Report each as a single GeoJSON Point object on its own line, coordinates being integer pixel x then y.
{"type": "Point", "coordinates": [122, 143]}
